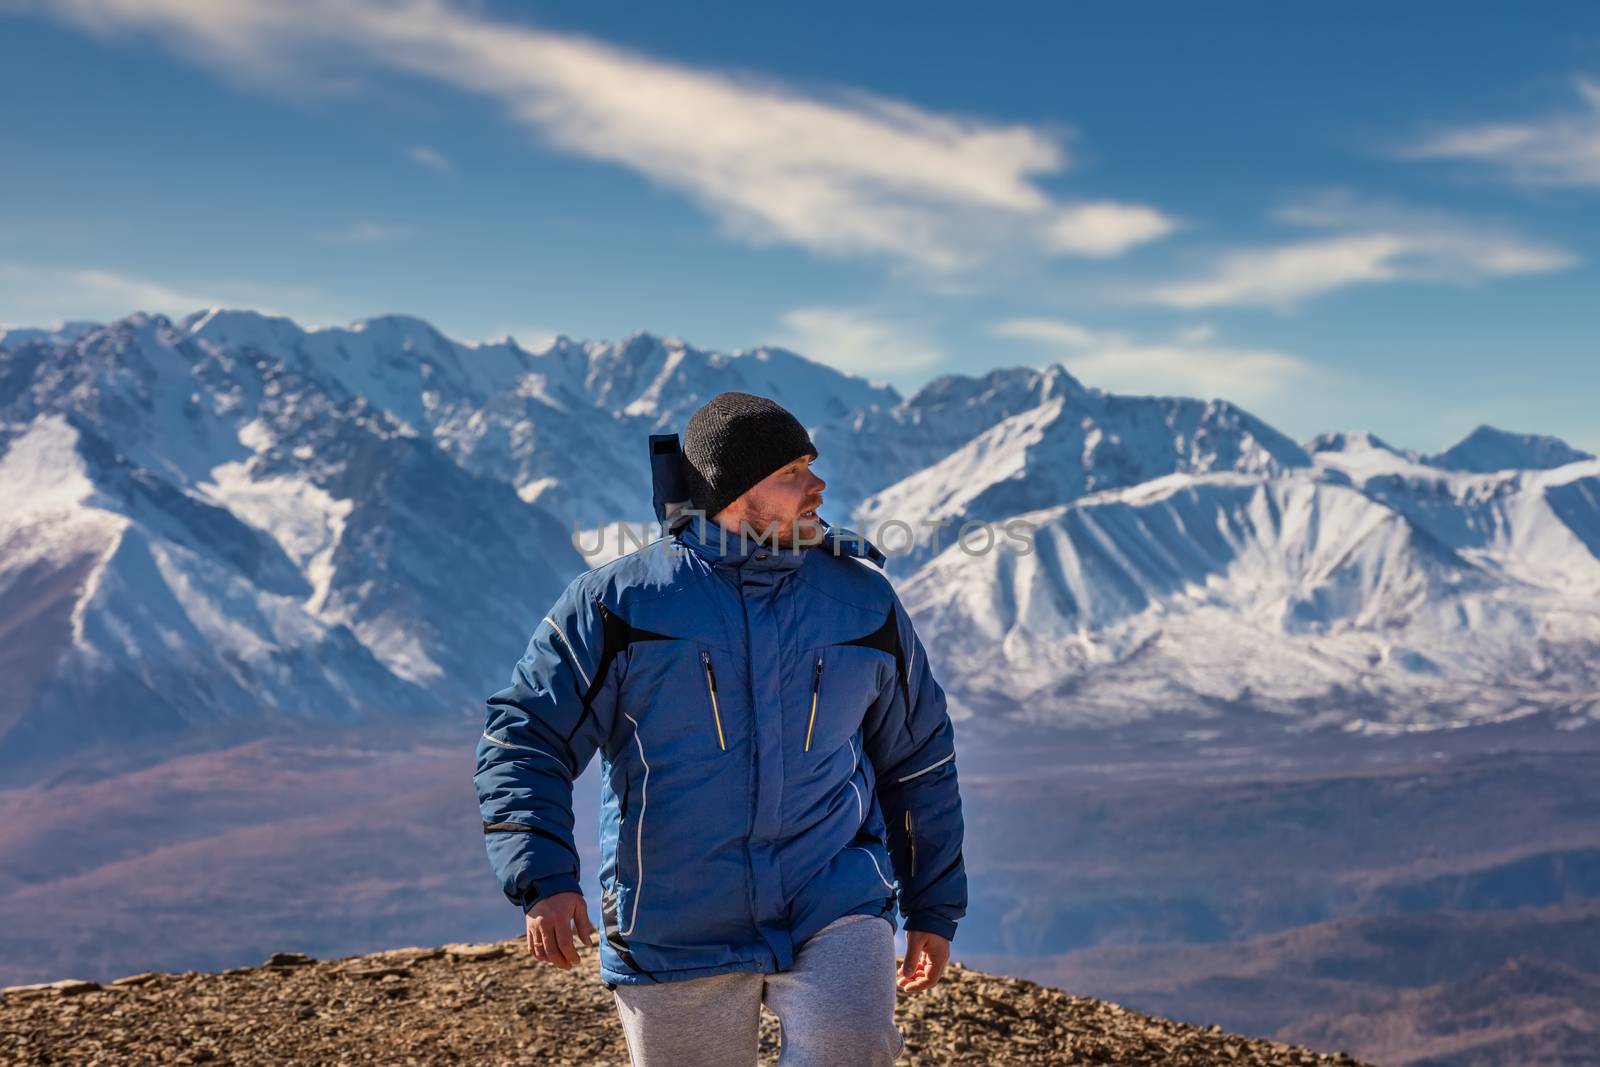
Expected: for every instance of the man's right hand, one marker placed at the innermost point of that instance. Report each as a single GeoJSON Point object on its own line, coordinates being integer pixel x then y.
{"type": "Point", "coordinates": [550, 923]}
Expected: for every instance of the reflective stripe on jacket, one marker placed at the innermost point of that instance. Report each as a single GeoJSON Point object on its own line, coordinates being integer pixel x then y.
{"type": "Point", "coordinates": [775, 754]}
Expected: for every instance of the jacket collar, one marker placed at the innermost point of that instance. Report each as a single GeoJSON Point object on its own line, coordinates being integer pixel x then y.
{"type": "Point", "coordinates": [721, 547]}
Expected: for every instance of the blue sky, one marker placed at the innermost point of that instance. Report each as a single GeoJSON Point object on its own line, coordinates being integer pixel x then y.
{"type": "Point", "coordinates": [1372, 216]}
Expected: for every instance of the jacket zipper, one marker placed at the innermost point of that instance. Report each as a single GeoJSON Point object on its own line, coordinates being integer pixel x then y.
{"type": "Point", "coordinates": [711, 688]}
{"type": "Point", "coordinates": [816, 683]}
{"type": "Point", "coordinates": [912, 837]}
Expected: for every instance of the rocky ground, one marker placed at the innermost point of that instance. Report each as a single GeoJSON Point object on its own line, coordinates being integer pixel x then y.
{"type": "Point", "coordinates": [491, 1003]}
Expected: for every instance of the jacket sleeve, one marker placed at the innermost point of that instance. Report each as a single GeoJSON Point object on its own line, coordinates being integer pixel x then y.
{"type": "Point", "coordinates": [911, 742]}
{"type": "Point", "coordinates": [540, 733]}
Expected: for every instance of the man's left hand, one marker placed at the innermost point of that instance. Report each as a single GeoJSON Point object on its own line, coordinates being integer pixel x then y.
{"type": "Point", "coordinates": [926, 956]}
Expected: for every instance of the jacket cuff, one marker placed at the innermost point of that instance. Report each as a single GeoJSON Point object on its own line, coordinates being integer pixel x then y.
{"type": "Point", "coordinates": [545, 887]}
{"type": "Point", "coordinates": [932, 924]}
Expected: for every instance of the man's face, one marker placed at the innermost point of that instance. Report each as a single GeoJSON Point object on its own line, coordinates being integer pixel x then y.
{"type": "Point", "coordinates": [784, 501]}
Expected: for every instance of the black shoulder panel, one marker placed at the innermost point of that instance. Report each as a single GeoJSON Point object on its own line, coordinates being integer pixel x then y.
{"type": "Point", "coordinates": [619, 634]}
{"type": "Point", "coordinates": [637, 633]}
{"type": "Point", "coordinates": [886, 638]}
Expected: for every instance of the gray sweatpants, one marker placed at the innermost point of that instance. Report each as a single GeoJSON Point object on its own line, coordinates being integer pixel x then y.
{"type": "Point", "coordinates": [835, 1005]}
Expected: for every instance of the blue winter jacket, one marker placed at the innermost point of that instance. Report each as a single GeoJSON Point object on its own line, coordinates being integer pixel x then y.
{"type": "Point", "coordinates": [775, 754]}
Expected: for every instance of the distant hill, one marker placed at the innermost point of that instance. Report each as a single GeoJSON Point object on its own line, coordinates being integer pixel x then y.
{"type": "Point", "coordinates": [1463, 988]}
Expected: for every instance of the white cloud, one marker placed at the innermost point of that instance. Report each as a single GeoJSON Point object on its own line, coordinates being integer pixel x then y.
{"type": "Point", "coordinates": [429, 157]}
{"type": "Point", "coordinates": [856, 341]}
{"type": "Point", "coordinates": [851, 175]}
{"type": "Point", "coordinates": [1191, 365]}
{"type": "Point", "coordinates": [366, 233]}
{"type": "Point", "coordinates": [90, 293]}
{"type": "Point", "coordinates": [1280, 276]}
{"type": "Point", "coordinates": [1047, 331]}
{"type": "Point", "coordinates": [1556, 150]}
{"type": "Point", "coordinates": [1242, 375]}
{"type": "Point", "coordinates": [1106, 228]}
{"type": "Point", "coordinates": [1197, 334]}
{"type": "Point", "coordinates": [34, 293]}
{"type": "Point", "coordinates": [1381, 242]}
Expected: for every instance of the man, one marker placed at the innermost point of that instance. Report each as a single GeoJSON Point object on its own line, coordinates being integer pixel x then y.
{"type": "Point", "coordinates": [775, 750]}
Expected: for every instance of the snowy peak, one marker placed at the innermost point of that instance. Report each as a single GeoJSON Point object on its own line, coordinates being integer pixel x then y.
{"type": "Point", "coordinates": [1359, 455]}
{"type": "Point", "coordinates": [880, 444]}
{"type": "Point", "coordinates": [778, 372]}
{"type": "Point", "coordinates": [1010, 388]}
{"type": "Point", "coordinates": [661, 381]}
{"type": "Point", "coordinates": [238, 328]}
{"type": "Point", "coordinates": [405, 332]}
{"type": "Point", "coordinates": [1075, 444]}
{"type": "Point", "coordinates": [1488, 449]}
{"type": "Point", "coordinates": [1353, 442]}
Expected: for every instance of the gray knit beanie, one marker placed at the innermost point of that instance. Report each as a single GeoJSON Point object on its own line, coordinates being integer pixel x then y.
{"type": "Point", "coordinates": [734, 441]}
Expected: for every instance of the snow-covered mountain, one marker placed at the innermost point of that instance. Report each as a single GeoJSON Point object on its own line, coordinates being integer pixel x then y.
{"type": "Point", "coordinates": [1076, 442]}
{"type": "Point", "coordinates": [132, 607]}
{"type": "Point", "coordinates": [228, 520]}
{"type": "Point", "coordinates": [877, 446]}
{"type": "Point", "coordinates": [215, 537]}
{"type": "Point", "coordinates": [1487, 449]}
{"type": "Point", "coordinates": [1369, 588]}
{"type": "Point", "coordinates": [563, 426]}
{"type": "Point", "coordinates": [1298, 596]}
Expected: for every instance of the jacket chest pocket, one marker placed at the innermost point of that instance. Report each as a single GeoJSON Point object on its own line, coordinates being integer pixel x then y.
{"type": "Point", "coordinates": [674, 694]}
{"type": "Point", "coordinates": [840, 685]}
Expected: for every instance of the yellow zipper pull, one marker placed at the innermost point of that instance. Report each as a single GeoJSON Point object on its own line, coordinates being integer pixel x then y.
{"type": "Point", "coordinates": [816, 682]}
{"type": "Point", "coordinates": [711, 687]}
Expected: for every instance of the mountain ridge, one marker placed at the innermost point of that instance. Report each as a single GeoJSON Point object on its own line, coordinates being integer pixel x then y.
{"type": "Point", "coordinates": [1185, 559]}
